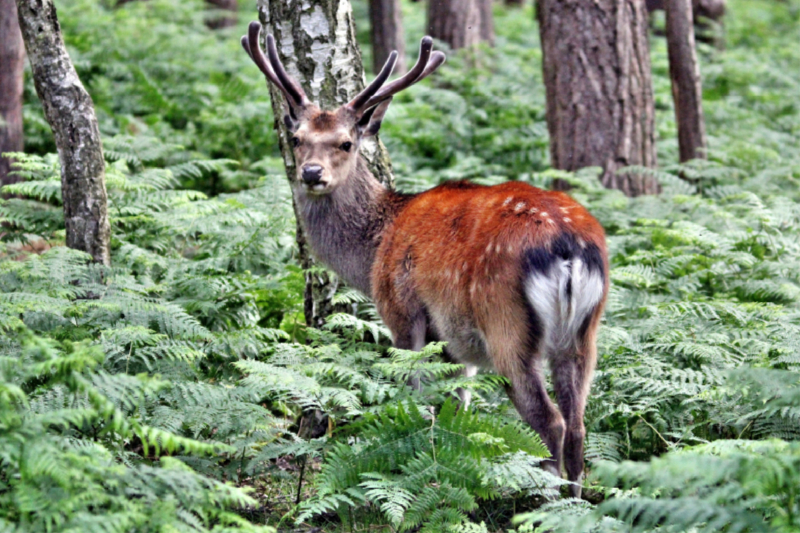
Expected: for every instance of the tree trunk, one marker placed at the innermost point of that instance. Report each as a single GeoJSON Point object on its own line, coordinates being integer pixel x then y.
{"type": "Point", "coordinates": [317, 44]}
{"type": "Point", "coordinates": [687, 90]}
{"type": "Point", "coordinates": [515, 3]}
{"type": "Point", "coordinates": [708, 18]}
{"type": "Point", "coordinates": [387, 34]}
{"type": "Point", "coordinates": [12, 66]}
{"type": "Point", "coordinates": [69, 110]}
{"type": "Point", "coordinates": [456, 22]}
{"type": "Point", "coordinates": [487, 21]}
{"type": "Point", "coordinates": [221, 20]}
{"type": "Point", "coordinates": [599, 90]}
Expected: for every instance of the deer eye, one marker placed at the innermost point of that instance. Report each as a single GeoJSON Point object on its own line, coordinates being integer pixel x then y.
{"type": "Point", "coordinates": [295, 142]}
{"type": "Point", "coordinates": [346, 146]}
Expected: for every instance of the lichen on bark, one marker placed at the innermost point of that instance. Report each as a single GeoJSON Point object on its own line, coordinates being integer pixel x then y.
{"type": "Point", "coordinates": [69, 110]}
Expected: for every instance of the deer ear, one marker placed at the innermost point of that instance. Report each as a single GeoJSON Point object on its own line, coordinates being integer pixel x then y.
{"type": "Point", "coordinates": [291, 124]}
{"type": "Point", "coordinates": [370, 123]}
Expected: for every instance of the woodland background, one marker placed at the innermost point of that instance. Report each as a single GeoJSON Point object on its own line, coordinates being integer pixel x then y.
{"type": "Point", "coordinates": [178, 387]}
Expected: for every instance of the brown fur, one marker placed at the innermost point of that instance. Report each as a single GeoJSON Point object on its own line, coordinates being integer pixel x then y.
{"type": "Point", "coordinates": [490, 270]}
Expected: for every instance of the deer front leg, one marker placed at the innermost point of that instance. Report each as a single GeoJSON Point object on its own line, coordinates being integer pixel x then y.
{"type": "Point", "coordinates": [465, 395]}
{"type": "Point", "coordinates": [408, 333]}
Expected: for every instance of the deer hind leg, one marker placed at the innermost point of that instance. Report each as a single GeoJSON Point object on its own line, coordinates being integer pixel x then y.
{"type": "Point", "coordinates": [572, 376]}
{"type": "Point", "coordinates": [528, 392]}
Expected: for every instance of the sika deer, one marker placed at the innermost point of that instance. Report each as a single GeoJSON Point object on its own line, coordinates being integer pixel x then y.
{"type": "Point", "coordinates": [511, 276]}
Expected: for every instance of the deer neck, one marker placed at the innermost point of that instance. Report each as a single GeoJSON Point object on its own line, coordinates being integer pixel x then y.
{"type": "Point", "coordinates": [344, 228]}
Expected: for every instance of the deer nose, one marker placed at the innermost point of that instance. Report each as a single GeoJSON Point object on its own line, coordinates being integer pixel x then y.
{"type": "Point", "coordinates": [312, 174]}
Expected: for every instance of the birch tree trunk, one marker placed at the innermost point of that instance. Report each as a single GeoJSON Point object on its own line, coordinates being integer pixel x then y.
{"type": "Point", "coordinates": [316, 41]}
{"type": "Point", "coordinates": [600, 110]}
{"type": "Point", "coordinates": [684, 70]}
{"type": "Point", "coordinates": [12, 66]}
{"type": "Point", "coordinates": [69, 110]}
{"type": "Point", "coordinates": [386, 27]}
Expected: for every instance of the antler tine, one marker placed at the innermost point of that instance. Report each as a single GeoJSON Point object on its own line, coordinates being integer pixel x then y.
{"type": "Point", "coordinates": [357, 103]}
{"type": "Point", "coordinates": [246, 46]}
{"type": "Point", "coordinates": [437, 60]}
{"type": "Point", "coordinates": [422, 68]}
{"type": "Point", "coordinates": [292, 87]}
{"type": "Point", "coordinates": [250, 45]}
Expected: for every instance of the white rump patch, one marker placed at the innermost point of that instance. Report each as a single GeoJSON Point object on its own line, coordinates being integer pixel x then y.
{"type": "Point", "coordinates": [562, 312]}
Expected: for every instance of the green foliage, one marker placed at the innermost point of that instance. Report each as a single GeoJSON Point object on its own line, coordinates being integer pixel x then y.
{"type": "Point", "coordinates": [425, 468]}
{"type": "Point", "coordinates": [65, 426]}
{"type": "Point", "coordinates": [727, 485]}
{"type": "Point", "coordinates": [155, 394]}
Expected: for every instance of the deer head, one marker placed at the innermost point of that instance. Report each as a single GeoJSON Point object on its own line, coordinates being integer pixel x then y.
{"type": "Point", "coordinates": [326, 143]}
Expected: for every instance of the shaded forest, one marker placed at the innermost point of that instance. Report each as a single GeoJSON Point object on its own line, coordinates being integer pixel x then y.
{"type": "Point", "coordinates": [200, 372]}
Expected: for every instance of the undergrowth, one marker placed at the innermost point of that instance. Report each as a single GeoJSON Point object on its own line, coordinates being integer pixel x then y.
{"type": "Point", "coordinates": [179, 389]}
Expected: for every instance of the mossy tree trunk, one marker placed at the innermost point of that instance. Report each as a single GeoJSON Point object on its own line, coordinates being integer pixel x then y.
{"type": "Point", "coordinates": [386, 27]}
{"type": "Point", "coordinates": [600, 110]}
{"type": "Point", "coordinates": [684, 71]}
{"type": "Point", "coordinates": [12, 66]}
{"type": "Point", "coordinates": [69, 110]}
{"type": "Point", "coordinates": [316, 41]}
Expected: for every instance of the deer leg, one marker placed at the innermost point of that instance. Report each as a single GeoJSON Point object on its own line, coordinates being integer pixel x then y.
{"type": "Point", "coordinates": [410, 335]}
{"type": "Point", "coordinates": [572, 374]}
{"type": "Point", "coordinates": [528, 392]}
{"type": "Point", "coordinates": [465, 395]}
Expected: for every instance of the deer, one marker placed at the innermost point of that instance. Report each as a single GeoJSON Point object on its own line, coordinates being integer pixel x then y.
{"type": "Point", "coordinates": [512, 277]}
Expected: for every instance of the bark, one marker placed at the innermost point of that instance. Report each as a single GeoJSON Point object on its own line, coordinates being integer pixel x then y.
{"type": "Point", "coordinates": [12, 66]}
{"type": "Point", "coordinates": [456, 22]}
{"type": "Point", "coordinates": [387, 34]}
{"type": "Point", "coordinates": [225, 20]}
{"type": "Point", "coordinates": [710, 9]}
{"type": "Point", "coordinates": [708, 19]}
{"type": "Point", "coordinates": [69, 110]}
{"type": "Point", "coordinates": [317, 44]}
{"type": "Point", "coordinates": [487, 21]}
{"type": "Point", "coordinates": [599, 90]}
{"type": "Point", "coordinates": [684, 71]}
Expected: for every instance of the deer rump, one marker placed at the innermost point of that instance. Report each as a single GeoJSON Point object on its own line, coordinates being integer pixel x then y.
{"type": "Point", "coordinates": [504, 274]}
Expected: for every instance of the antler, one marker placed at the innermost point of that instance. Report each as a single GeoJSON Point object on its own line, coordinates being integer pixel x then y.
{"type": "Point", "coordinates": [374, 94]}
{"type": "Point", "coordinates": [273, 68]}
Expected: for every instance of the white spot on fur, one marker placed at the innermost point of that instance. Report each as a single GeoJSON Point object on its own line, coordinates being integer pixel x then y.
{"type": "Point", "coordinates": [533, 210]}
{"type": "Point", "coordinates": [489, 247]}
{"type": "Point", "coordinates": [544, 214]}
{"type": "Point", "coordinates": [519, 207]}
{"type": "Point", "coordinates": [563, 314]}
{"type": "Point", "coordinates": [508, 201]}
{"type": "Point", "coordinates": [510, 249]}
{"type": "Point", "coordinates": [497, 248]}
{"type": "Point", "coordinates": [567, 220]}
{"type": "Point", "coordinates": [551, 221]}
